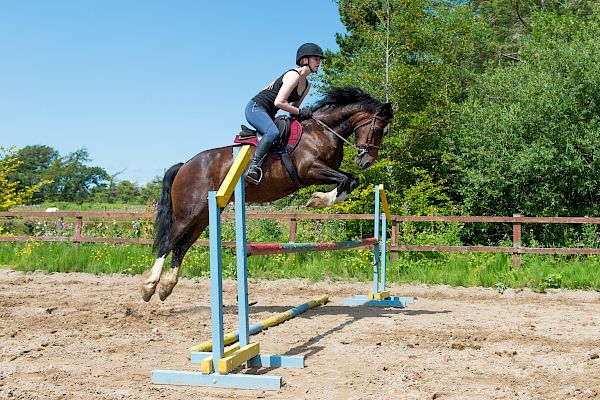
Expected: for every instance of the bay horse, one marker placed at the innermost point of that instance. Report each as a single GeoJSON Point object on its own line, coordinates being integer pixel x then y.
{"type": "Point", "coordinates": [183, 210]}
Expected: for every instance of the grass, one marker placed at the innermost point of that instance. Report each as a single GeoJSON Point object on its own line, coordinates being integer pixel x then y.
{"type": "Point", "coordinates": [67, 257]}
{"type": "Point", "coordinates": [538, 272]}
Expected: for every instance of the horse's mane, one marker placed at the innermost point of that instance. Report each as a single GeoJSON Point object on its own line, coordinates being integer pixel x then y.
{"type": "Point", "coordinates": [341, 96]}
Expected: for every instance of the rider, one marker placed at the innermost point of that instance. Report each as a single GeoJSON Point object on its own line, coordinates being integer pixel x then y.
{"type": "Point", "coordinates": [285, 93]}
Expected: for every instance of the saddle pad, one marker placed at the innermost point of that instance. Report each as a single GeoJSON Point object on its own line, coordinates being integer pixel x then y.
{"type": "Point", "coordinates": [295, 135]}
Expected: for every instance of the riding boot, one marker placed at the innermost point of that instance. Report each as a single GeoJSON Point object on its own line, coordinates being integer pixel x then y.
{"type": "Point", "coordinates": [255, 173]}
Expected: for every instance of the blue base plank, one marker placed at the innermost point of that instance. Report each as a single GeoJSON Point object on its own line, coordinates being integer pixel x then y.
{"type": "Point", "coordinates": [261, 360]}
{"type": "Point", "coordinates": [234, 381]}
{"type": "Point", "coordinates": [392, 301]}
{"type": "Point", "coordinates": [269, 360]}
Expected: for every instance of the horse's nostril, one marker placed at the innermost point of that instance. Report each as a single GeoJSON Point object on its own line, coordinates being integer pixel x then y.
{"type": "Point", "coordinates": [364, 164]}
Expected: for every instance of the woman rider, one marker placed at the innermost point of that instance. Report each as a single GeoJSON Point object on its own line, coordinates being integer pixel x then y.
{"type": "Point", "coordinates": [285, 93]}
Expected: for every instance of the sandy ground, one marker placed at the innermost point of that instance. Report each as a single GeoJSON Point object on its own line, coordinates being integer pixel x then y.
{"type": "Point", "coordinates": [78, 336]}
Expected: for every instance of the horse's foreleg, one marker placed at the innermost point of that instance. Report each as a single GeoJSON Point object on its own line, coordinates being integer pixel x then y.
{"type": "Point", "coordinates": [344, 188]}
{"type": "Point", "coordinates": [320, 199]}
{"type": "Point", "coordinates": [345, 183]}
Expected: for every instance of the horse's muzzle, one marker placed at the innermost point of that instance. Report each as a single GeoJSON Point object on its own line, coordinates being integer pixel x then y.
{"type": "Point", "coordinates": [364, 160]}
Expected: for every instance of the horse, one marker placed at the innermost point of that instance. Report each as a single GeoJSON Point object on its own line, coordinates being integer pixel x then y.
{"type": "Point", "coordinates": [183, 210]}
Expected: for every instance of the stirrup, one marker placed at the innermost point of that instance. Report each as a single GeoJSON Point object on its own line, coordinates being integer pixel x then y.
{"type": "Point", "coordinates": [251, 179]}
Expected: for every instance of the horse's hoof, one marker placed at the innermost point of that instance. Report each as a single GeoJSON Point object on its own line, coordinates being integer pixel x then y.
{"type": "Point", "coordinates": [147, 288]}
{"type": "Point", "coordinates": [318, 200]}
{"type": "Point", "coordinates": [167, 282]}
{"type": "Point", "coordinates": [147, 292]}
{"type": "Point", "coordinates": [165, 291]}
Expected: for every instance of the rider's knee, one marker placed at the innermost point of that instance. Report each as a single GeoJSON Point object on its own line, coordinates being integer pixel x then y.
{"type": "Point", "coordinates": [272, 134]}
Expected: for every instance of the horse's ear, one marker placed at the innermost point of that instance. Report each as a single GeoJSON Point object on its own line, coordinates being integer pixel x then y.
{"type": "Point", "coordinates": [386, 111]}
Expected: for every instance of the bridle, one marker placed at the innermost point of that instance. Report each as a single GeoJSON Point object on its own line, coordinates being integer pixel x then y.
{"type": "Point", "coordinates": [361, 149]}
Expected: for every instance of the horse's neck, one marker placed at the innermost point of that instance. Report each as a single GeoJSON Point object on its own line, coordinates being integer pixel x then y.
{"type": "Point", "coordinates": [340, 120]}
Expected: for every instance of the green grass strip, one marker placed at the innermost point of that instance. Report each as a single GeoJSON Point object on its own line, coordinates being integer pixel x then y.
{"type": "Point", "coordinates": [538, 272]}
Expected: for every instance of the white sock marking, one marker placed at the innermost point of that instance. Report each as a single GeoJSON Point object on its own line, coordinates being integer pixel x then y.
{"type": "Point", "coordinates": [330, 196]}
{"type": "Point", "coordinates": [157, 268]}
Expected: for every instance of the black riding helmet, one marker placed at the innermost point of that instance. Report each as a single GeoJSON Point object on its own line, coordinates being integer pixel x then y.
{"type": "Point", "coordinates": [308, 49]}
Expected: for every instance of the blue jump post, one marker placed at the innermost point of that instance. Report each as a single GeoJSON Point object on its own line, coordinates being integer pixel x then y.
{"type": "Point", "coordinates": [380, 297]}
{"type": "Point", "coordinates": [215, 366]}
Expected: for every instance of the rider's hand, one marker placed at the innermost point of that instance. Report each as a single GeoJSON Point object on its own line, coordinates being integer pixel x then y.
{"type": "Point", "coordinates": [304, 114]}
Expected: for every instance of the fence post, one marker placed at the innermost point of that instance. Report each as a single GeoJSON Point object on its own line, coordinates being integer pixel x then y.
{"type": "Point", "coordinates": [78, 228]}
{"type": "Point", "coordinates": [395, 231]}
{"type": "Point", "coordinates": [516, 257]}
{"type": "Point", "coordinates": [293, 225]}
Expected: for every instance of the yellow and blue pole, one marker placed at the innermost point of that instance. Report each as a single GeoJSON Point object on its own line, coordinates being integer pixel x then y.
{"type": "Point", "coordinates": [255, 328]}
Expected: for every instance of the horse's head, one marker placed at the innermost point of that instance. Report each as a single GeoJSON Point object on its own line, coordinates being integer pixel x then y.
{"type": "Point", "coordinates": [369, 131]}
{"type": "Point", "coordinates": [351, 110]}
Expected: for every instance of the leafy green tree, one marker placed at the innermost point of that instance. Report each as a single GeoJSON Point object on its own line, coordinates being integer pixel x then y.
{"type": "Point", "coordinates": [129, 192]}
{"type": "Point", "coordinates": [12, 193]}
{"type": "Point", "coordinates": [33, 161]}
{"type": "Point", "coordinates": [527, 139]}
{"type": "Point", "coordinates": [73, 180]}
{"type": "Point", "coordinates": [511, 22]}
{"type": "Point", "coordinates": [420, 55]}
{"type": "Point", "coordinates": [151, 192]}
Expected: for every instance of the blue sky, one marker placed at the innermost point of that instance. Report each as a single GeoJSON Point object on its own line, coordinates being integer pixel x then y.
{"type": "Point", "coordinates": [143, 84]}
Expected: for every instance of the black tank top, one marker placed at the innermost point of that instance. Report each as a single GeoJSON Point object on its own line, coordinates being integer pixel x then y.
{"type": "Point", "coordinates": [267, 96]}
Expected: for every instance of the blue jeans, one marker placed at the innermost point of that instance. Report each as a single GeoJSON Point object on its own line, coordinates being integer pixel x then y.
{"type": "Point", "coordinates": [261, 121]}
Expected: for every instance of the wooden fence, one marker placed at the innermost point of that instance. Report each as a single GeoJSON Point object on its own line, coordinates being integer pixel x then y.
{"type": "Point", "coordinates": [516, 220]}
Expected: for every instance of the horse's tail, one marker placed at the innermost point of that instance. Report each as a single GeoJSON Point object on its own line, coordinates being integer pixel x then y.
{"type": "Point", "coordinates": [164, 218]}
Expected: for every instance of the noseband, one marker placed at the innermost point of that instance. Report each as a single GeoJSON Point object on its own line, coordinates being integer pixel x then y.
{"type": "Point", "coordinates": [361, 149]}
{"type": "Point", "coordinates": [368, 145]}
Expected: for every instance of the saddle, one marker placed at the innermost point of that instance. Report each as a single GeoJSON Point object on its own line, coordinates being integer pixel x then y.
{"type": "Point", "coordinates": [290, 132]}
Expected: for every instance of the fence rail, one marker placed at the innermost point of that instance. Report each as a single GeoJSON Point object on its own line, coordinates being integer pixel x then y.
{"type": "Point", "coordinates": [516, 220]}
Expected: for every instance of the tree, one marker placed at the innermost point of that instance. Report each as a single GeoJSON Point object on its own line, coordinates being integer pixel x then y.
{"type": "Point", "coordinates": [151, 192]}
{"type": "Point", "coordinates": [72, 179]}
{"type": "Point", "coordinates": [419, 54]}
{"type": "Point", "coordinates": [128, 192]}
{"type": "Point", "coordinates": [33, 161]}
{"type": "Point", "coordinates": [12, 193]}
{"type": "Point", "coordinates": [511, 22]}
{"type": "Point", "coordinates": [528, 137]}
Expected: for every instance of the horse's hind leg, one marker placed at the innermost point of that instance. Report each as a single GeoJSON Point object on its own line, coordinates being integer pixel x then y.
{"type": "Point", "coordinates": [151, 277]}
{"type": "Point", "coordinates": [171, 276]}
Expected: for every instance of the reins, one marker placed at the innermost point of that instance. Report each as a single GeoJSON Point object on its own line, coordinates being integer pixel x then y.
{"type": "Point", "coordinates": [335, 133]}
{"type": "Point", "coordinates": [360, 148]}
